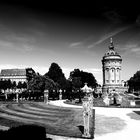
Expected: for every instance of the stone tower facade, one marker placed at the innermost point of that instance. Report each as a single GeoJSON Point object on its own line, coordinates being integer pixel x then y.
{"type": "Point", "coordinates": [111, 65]}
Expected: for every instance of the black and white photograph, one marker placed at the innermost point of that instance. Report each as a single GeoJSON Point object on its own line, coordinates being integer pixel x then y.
{"type": "Point", "coordinates": [69, 70]}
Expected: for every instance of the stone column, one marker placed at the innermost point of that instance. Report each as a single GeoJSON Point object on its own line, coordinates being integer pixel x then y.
{"type": "Point", "coordinates": [88, 118]}
{"type": "Point", "coordinates": [119, 75]}
{"type": "Point", "coordinates": [115, 75]}
{"type": "Point", "coordinates": [46, 96]}
{"type": "Point", "coordinates": [108, 75]}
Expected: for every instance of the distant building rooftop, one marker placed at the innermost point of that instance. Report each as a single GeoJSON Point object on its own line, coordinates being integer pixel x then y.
{"type": "Point", "coordinates": [13, 72]}
{"type": "Point", "coordinates": [17, 72]}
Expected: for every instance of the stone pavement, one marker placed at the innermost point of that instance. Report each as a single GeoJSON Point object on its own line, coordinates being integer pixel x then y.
{"type": "Point", "coordinates": [132, 120]}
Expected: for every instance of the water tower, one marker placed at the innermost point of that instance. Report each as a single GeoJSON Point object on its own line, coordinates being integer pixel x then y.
{"type": "Point", "coordinates": [111, 66]}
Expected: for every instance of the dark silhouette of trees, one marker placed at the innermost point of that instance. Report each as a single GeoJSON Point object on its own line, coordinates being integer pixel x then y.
{"type": "Point", "coordinates": [78, 79]}
{"type": "Point", "coordinates": [55, 73]}
{"type": "Point", "coordinates": [19, 85]}
{"type": "Point", "coordinates": [27, 132]}
{"type": "Point", "coordinates": [24, 85]}
{"type": "Point", "coordinates": [5, 84]}
{"type": "Point", "coordinates": [84, 76]}
{"type": "Point", "coordinates": [134, 82]}
{"type": "Point", "coordinates": [14, 85]}
{"type": "Point", "coordinates": [76, 83]}
{"type": "Point", "coordinates": [40, 83]}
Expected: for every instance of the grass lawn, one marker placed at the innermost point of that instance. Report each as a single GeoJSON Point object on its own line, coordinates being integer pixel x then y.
{"type": "Point", "coordinates": [58, 121]}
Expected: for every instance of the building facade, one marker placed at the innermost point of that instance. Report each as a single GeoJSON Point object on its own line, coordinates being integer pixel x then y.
{"type": "Point", "coordinates": [17, 75]}
{"type": "Point", "coordinates": [111, 66]}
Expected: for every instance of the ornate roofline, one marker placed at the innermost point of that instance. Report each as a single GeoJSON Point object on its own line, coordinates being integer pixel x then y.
{"type": "Point", "coordinates": [111, 51]}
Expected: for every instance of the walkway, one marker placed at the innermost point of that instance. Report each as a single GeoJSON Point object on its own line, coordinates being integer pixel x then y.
{"type": "Point", "coordinates": [132, 120]}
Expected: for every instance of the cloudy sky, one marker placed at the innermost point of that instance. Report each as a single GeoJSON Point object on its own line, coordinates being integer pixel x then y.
{"type": "Point", "coordinates": [74, 36]}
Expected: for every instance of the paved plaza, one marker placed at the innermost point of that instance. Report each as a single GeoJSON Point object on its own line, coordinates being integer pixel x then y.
{"type": "Point", "coordinates": [131, 119]}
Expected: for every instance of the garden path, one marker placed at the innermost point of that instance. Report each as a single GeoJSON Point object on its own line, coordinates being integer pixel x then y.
{"type": "Point", "coordinates": [129, 115]}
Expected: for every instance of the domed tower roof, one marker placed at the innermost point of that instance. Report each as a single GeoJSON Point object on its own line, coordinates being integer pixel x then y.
{"type": "Point", "coordinates": [111, 52]}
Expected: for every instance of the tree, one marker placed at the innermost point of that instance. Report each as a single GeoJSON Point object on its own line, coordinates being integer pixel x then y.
{"type": "Point", "coordinates": [134, 82]}
{"type": "Point", "coordinates": [40, 83]}
{"type": "Point", "coordinates": [24, 85]}
{"type": "Point", "coordinates": [55, 73]}
{"type": "Point", "coordinates": [9, 84]}
{"type": "Point", "coordinates": [85, 77]}
{"type": "Point", "coordinates": [19, 85]}
{"type": "Point", "coordinates": [76, 83]}
{"type": "Point", "coordinates": [14, 85]}
{"type": "Point", "coordinates": [5, 84]}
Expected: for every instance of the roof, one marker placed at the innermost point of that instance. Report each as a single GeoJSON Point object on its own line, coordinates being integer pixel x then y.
{"type": "Point", "coordinates": [111, 52]}
{"type": "Point", "coordinates": [9, 72]}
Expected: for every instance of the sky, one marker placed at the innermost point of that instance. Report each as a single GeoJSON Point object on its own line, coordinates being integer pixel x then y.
{"type": "Point", "coordinates": [74, 35]}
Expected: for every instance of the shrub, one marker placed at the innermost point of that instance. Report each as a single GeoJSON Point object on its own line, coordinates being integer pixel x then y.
{"type": "Point", "coordinates": [125, 102]}
{"type": "Point", "coordinates": [26, 132]}
{"type": "Point", "coordinates": [98, 102]}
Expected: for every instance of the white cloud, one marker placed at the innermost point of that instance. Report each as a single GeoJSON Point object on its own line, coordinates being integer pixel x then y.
{"type": "Point", "coordinates": [76, 45]}
{"type": "Point", "coordinates": [20, 46]}
{"type": "Point", "coordinates": [135, 50]}
{"type": "Point", "coordinates": [130, 48]}
{"type": "Point", "coordinates": [107, 36]}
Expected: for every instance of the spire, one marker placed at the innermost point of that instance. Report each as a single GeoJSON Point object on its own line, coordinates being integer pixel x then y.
{"type": "Point", "coordinates": [111, 47]}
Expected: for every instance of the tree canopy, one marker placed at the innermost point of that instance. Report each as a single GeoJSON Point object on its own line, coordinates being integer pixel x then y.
{"type": "Point", "coordinates": [55, 73]}
{"type": "Point", "coordinates": [85, 77]}
{"type": "Point", "coordinates": [134, 82]}
{"type": "Point", "coordinates": [40, 83]}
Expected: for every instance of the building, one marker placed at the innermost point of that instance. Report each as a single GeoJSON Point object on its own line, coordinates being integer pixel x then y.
{"type": "Point", "coordinates": [17, 75]}
{"type": "Point", "coordinates": [111, 65]}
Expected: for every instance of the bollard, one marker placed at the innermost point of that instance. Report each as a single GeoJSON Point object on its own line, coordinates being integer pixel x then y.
{"type": "Point", "coordinates": [17, 97]}
{"type": "Point", "coordinates": [88, 118]}
{"type": "Point", "coordinates": [6, 96]}
{"type": "Point", "coordinates": [46, 96]}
